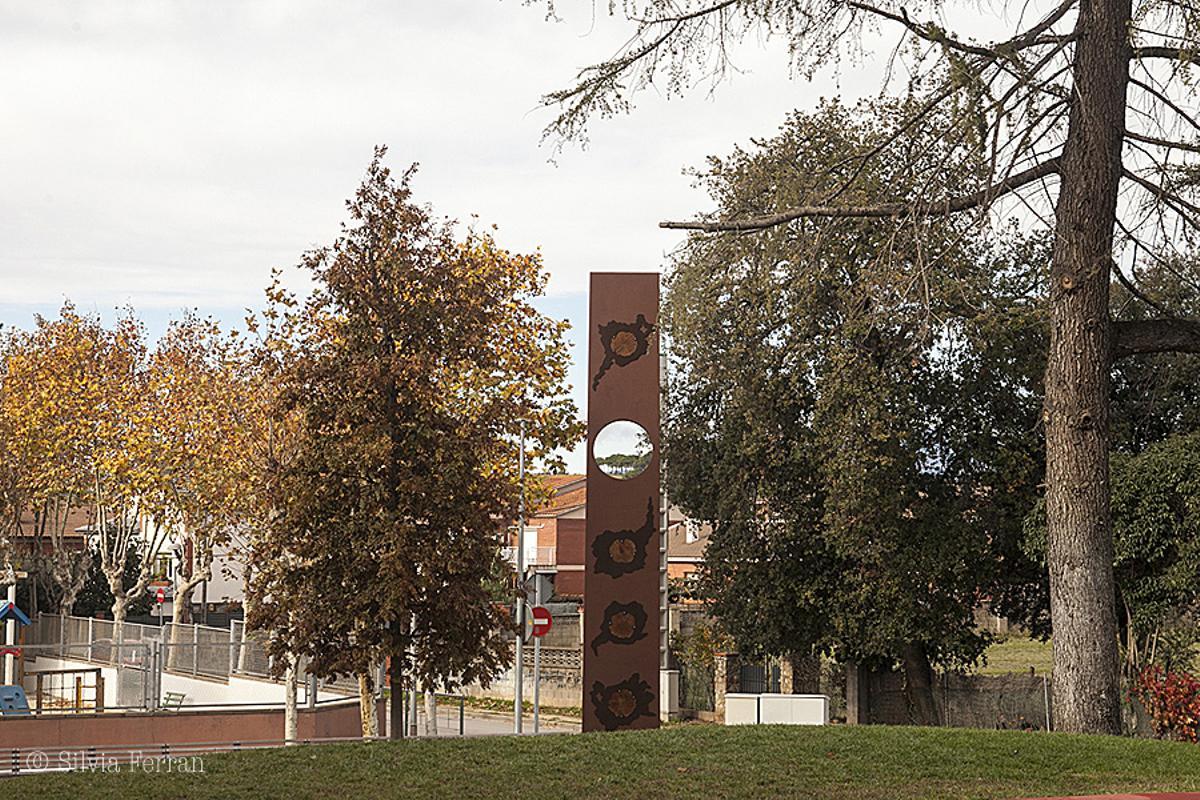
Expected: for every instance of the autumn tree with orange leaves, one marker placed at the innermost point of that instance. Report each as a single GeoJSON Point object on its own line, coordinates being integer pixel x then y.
{"type": "Point", "coordinates": [410, 367]}
{"type": "Point", "coordinates": [199, 392]}
{"type": "Point", "coordinates": [149, 441]}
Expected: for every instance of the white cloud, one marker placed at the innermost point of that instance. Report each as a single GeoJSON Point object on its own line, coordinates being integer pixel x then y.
{"type": "Point", "coordinates": [170, 154]}
{"type": "Point", "coordinates": [164, 154]}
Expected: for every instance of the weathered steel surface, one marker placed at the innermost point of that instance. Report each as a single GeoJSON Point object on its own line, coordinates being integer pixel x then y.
{"type": "Point", "coordinates": [621, 556]}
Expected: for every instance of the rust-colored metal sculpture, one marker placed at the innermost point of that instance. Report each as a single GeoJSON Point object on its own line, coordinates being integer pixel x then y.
{"type": "Point", "coordinates": [621, 552]}
{"type": "Point", "coordinates": [624, 704]}
{"type": "Point", "coordinates": [621, 573]}
{"type": "Point", "coordinates": [623, 343]}
{"type": "Point", "coordinates": [624, 623]}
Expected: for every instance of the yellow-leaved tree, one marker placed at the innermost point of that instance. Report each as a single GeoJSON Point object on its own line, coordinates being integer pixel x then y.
{"type": "Point", "coordinates": [50, 406]}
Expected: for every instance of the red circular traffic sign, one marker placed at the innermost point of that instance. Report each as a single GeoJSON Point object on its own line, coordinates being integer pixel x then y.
{"type": "Point", "coordinates": [160, 595]}
{"type": "Point", "coordinates": [541, 620]}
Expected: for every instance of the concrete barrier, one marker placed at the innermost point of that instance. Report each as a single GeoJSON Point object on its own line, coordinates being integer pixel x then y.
{"type": "Point", "coordinates": [741, 708]}
{"type": "Point", "coordinates": [793, 709]}
{"type": "Point", "coordinates": [60, 731]}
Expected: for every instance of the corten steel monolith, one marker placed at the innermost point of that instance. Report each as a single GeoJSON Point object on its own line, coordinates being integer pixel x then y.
{"type": "Point", "coordinates": [621, 551]}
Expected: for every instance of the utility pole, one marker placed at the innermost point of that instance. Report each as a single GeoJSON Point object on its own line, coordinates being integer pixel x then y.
{"type": "Point", "coordinates": [519, 666]}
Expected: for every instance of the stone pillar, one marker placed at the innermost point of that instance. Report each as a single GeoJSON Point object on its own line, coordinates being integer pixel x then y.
{"type": "Point", "coordinates": [726, 678]}
{"type": "Point", "coordinates": [800, 674]}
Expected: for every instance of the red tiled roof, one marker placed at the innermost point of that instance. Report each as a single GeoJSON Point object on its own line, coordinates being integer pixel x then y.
{"type": "Point", "coordinates": [570, 491]}
{"type": "Point", "coordinates": [77, 518]}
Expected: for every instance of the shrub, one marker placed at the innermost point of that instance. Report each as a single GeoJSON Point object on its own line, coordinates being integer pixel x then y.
{"type": "Point", "coordinates": [1172, 699]}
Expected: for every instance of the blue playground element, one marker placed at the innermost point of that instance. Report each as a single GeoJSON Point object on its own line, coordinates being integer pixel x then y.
{"type": "Point", "coordinates": [13, 702]}
{"type": "Point", "coordinates": [17, 614]}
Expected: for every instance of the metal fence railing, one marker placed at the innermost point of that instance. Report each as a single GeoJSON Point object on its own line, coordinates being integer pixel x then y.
{"type": "Point", "coordinates": [61, 678]}
{"type": "Point", "coordinates": [189, 649]}
{"type": "Point", "coordinates": [150, 658]}
{"type": "Point", "coordinates": [696, 687]}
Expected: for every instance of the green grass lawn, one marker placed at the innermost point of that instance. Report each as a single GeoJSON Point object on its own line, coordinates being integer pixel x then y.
{"type": "Point", "coordinates": [1017, 654]}
{"type": "Point", "coordinates": [689, 761]}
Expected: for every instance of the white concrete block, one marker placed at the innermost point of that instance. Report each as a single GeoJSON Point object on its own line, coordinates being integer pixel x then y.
{"type": "Point", "coordinates": [741, 709]}
{"type": "Point", "coordinates": [794, 709]}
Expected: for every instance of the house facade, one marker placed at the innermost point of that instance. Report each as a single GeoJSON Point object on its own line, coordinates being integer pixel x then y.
{"type": "Point", "coordinates": [555, 534]}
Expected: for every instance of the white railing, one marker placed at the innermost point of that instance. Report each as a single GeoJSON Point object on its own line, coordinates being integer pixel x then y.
{"type": "Point", "coordinates": [545, 557]}
{"type": "Point", "coordinates": [199, 650]}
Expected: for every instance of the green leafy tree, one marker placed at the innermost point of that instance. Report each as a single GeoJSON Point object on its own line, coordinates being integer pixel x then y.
{"type": "Point", "coordinates": [405, 373]}
{"type": "Point", "coordinates": [96, 597]}
{"type": "Point", "coordinates": [866, 477]}
{"type": "Point", "coordinates": [1065, 114]}
{"type": "Point", "coordinates": [1156, 564]}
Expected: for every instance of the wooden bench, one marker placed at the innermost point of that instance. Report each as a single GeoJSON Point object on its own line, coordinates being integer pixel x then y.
{"type": "Point", "coordinates": [172, 701]}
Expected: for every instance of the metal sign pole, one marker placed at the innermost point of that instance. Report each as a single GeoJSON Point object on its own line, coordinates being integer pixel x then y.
{"type": "Point", "coordinates": [519, 666]}
{"type": "Point", "coordinates": [537, 661]}
{"type": "Point", "coordinates": [10, 635]}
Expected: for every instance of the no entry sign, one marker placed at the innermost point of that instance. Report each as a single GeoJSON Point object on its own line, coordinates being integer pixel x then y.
{"type": "Point", "coordinates": [541, 621]}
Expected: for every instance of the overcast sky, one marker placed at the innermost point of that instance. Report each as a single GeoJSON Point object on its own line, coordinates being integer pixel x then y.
{"type": "Point", "coordinates": [168, 155]}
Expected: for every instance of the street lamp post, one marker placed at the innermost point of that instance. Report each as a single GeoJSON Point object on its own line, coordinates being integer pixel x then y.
{"type": "Point", "coordinates": [519, 666]}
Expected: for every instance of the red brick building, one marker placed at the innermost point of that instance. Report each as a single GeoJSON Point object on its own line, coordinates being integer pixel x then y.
{"type": "Point", "coordinates": [555, 535]}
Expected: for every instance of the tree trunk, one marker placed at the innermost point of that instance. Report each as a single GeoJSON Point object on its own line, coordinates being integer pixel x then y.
{"type": "Point", "coordinates": [918, 684]}
{"type": "Point", "coordinates": [366, 705]}
{"type": "Point", "coordinates": [34, 606]}
{"type": "Point", "coordinates": [431, 728]}
{"type": "Point", "coordinates": [120, 608]}
{"type": "Point", "coordinates": [291, 727]}
{"type": "Point", "coordinates": [181, 607]}
{"type": "Point", "coordinates": [1080, 547]}
{"type": "Point", "coordinates": [63, 613]}
{"type": "Point", "coordinates": [181, 604]}
{"type": "Point", "coordinates": [396, 702]}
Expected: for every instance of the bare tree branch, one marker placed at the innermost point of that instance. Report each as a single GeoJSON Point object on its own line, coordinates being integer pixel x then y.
{"type": "Point", "coordinates": [1168, 102]}
{"type": "Point", "coordinates": [1173, 53]}
{"type": "Point", "coordinates": [1141, 337]}
{"type": "Point", "coordinates": [881, 210]}
{"type": "Point", "coordinates": [1191, 147]}
{"type": "Point", "coordinates": [927, 31]}
{"type": "Point", "coordinates": [1048, 22]}
{"type": "Point", "coordinates": [933, 33]}
{"type": "Point", "coordinates": [1186, 210]}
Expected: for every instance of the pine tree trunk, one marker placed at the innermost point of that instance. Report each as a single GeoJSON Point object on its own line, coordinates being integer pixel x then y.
{"type": "Point", "coordinates": [1086, 696]}
{"type": "Point", "coordinates": [918, 684]}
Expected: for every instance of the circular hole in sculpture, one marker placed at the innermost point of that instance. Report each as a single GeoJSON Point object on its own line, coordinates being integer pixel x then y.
{"type": "Point", "coordinates": [622, 449]}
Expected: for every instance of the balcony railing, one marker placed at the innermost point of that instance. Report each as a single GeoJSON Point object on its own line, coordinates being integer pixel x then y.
{"type": "Point", "coordinates": [534, 556]}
